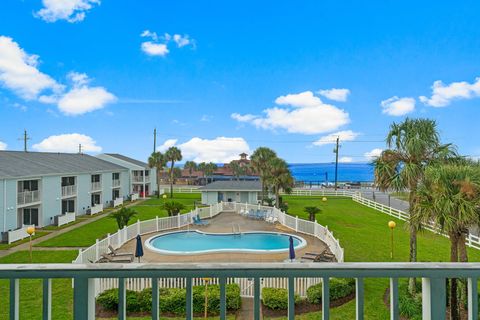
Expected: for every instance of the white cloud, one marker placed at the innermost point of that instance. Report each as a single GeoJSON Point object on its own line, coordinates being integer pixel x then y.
{"type": "Point", "coordinates": [396, 106]}
{"type": "Point", "coordinates": [305, 113]}
{"type": "Point", "coordinates": [3, 145]}
{"type": "Point", "coordinates": [335, 94]}
{"type": "Point", "coordinates": [346, 135]}
{"type": "Point", "coordinates": [155, 49]}
{"type": "Point", "coordinates": [220, 149]}
{"type": "Point", "coordinates": [19, 71]}
{"type": "Point", "coordinates": [182, 41]}
{"type": "Point", "coordinates": [68, 142]}
{"type": "Point", "coordinates": [81, 98]}
{"type": "Point", "coordinates": [69, 10]}
{"type": "Point", "coordinates": [167, 144]}
{"type": "Point", "coordinates": [206, 118]}
{"type": "Point", "coordinates": [373, 154]}
{"type": "Point", "coordinates": [443, 95]}
{"type": "Point", "coordinates": [345, 160]}
{"type": "Point", "coordinates": [149, 34]}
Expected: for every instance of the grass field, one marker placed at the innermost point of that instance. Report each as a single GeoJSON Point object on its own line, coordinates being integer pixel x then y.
{"type": "Point", "coordinates": [362, 231]}
{"type": "Point", "coordinates": [86, 235]}
{"type": "Point", "coordinates": [38, 234]}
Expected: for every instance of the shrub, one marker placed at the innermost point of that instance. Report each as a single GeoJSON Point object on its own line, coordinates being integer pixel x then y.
{"type": "Point", "coordinates": [276, 298]}
{"type": "Point", "coordinates": [109, 300]}
{"type": "Point", "coordinates": [339, 288]}
{"type": "Point", "coordinates": [410, 306]}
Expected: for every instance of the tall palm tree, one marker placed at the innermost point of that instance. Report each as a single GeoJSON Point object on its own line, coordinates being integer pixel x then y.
{"type": "Point", "coordinates": [449, 197]}
{"type": "Point", "coordinates": [157, 161]}
{"type": "Point", "coordinates": [260, 160]}
{"type": "Point", "coordinates": [202, 167]}
{"type": "Point", "coordinates": [412, 145]}
{"type": "Point", "coordinates": [279, 178]}
{"type": "Point", "coordinates": [190, 166]}
{"type": "Point", "coordinates": [172, 155]}
{"type": "Point", "coordinates": [209, 169]}
{"type": "Point", "coordinates": [237, 169]}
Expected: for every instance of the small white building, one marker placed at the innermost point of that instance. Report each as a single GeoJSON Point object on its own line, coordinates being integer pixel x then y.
{"type": "Point", "coordinates": [232, 191]}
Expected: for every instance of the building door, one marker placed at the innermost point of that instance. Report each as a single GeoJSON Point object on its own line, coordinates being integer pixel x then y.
{"type": "Point", "coordinates": [115, 194]}
{"type": "Point", "coordinates": [30, 216]}
{"type": "Point", "coordinates": [147, 192]}
{"type": "Point", "coordinates": [68, 206]}
{"type": "Point", "coordinates": [237, 197]}
{"type": "Point", "coordinates": [220, 196]}
{"type": "Point", "coordinates": [96, 199]}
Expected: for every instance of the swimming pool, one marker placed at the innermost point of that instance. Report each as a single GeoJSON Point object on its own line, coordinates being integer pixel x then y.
{"type": "Point", "coordinates": [197, 242]}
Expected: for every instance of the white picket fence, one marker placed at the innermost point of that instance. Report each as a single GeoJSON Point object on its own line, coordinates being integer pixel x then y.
{"type": "Point", "coordinates": [18, 234]}
{"type": "Point", "coordinates": [116, 240]}
{"type": "Point", "coordinates": [134, 197]}
{"type": "Point", "coordinates": [96, 209]}
{"type": "Point", "coordinates": [66, 218]}
{"type": "Point", "coordinates": [117, 202]}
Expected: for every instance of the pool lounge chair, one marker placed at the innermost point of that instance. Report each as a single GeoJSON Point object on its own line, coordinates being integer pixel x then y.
{"type": "Point", "coordinates": [198, 222]}
{"type": "Point", "coordinates": [324, 256]}
{"type": "Point", "coordinates": [115, 253]}
{"type": "Point", "coordinates": [251, 214]}
{"type": "Point", "coordinates": [113, 259]}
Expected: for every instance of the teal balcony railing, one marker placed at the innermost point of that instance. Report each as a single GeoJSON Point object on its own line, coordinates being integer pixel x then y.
{"type": "Point", "coordinates": [434, 276]}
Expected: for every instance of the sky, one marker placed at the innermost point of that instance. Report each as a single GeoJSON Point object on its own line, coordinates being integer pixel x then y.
{"type": "Point", "coordinates": [217, 78]}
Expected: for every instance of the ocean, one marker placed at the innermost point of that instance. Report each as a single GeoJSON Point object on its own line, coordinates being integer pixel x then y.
{"type": "Point", "coordinates": [322, 172]}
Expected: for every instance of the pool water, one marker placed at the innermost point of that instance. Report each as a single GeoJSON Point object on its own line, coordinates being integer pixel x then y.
{"type": "Point", "coordinates": [191, 242]}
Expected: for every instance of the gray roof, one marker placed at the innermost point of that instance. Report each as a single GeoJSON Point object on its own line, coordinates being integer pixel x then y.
{"type": "Point", "coordinates": [233, 185]}
{"type": "Point", "coordinates": [128, 159]}
{"type": "Point", "coordinates": [17, 164]}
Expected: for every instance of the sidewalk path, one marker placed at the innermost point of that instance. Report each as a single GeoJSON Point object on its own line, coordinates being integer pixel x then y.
{"type": "Point", "coordinates": [54, 233]}
{"type": "Point", "coordinates": [385, 199]}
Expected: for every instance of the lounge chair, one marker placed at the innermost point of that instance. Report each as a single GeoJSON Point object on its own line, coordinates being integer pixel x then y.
{"type": "Point", "coordinates": [251, 214]}
{"type": "Point", "coordinates": [324, 256]}
{"type": "Point", "coordinates": [113, 259]}
{"type": "Point", "coordinates": [199, 222]}
{"type": "Point", "coordinates": [115, 253]}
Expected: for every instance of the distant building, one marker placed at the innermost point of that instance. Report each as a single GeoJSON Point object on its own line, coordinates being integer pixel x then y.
{"type": "Point", "coordinates": [232, 191]}
{"type": "Point", "coordinates": [142, 178]}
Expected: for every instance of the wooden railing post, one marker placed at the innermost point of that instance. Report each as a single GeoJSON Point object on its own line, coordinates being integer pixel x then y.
{"type": "Point", "coordinates": [359, 292]}
{"type": "Point", "coordinates": [47, 299]}
{"type": "Point", "coordinates": [84, 298]}
{"type": "Point", "coordinates": [223, 298]}
{"type": "Point", "coordinates": [394, 308]}
{"type": "Point", "coordinates": [433, 299]}
{"type": "Point", "coordinates": [14, 299]}
{"type": "Point", "coordinates": [472, 299]}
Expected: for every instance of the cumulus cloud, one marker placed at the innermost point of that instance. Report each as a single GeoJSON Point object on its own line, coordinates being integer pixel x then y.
{"type": "Point", "coordinates": [346, 135]}
{"type": "Point", "coordinates": [218, 150]}
{"type": "Point", "coordinates": [69, 10]}
{"type": "Point", "coordinates": [396, 106]}
{"type": "Point", "coordinates": [19, 71]}
{"type": "Point", "coordinates": [158, 45]}
{"type": "Point", "coordinates": [345, 160]}
{"type": "Point", "coordinates": [81, 98]}
{"type": "Point", "coordinates": [298, 113]}
{"type": "Point", "coordinates": [3, 146]}
{"type": "Point", "coordinates": [335, 94]}
{"type": "Point", "coordinates": [373, 154]}
{"type": "Point", "coordinates": [167, 144]}
{"type": "Point", "coordinates": [68, 142]}
{"type": "Point", "coordinates": [443, 95]}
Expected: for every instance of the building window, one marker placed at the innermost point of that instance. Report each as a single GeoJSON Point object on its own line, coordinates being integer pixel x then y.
{"type": "Point", "coordinates": [68, 206]}
{"type": "Point", "coordinates": [30, 216]}
{"type": "Point", "coordinates": [147, 173]}
{"type": "Point", "coordinates": [116, 176]}
{"type": "Point", "coordinates": [115, 194]}
{"type": "Point", "coordinates": [96, 199]}
{"type": "Point", "coordinates": [95, 178]}
{"type": "Point", "coordinates": [68, 181]}
{"type": "Point", "coordinates": [28, 185]}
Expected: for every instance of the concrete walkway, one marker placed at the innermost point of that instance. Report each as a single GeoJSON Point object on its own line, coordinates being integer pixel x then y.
{"type": "Point", "coordinates": [246, 312]}
{"type": "Point", "coordinates": [54, 233]}
{"type": "Point", "coordinates": [386, 199]}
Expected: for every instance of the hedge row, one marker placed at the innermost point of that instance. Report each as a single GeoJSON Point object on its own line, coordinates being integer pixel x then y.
{"type": "Point", "coordinates": [174, 300]}
{"type": "Point", "coordinates": [277, 299]}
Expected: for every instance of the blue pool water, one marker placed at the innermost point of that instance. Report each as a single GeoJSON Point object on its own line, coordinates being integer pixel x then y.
{"type": "Point", "coordinates": [191, 242]}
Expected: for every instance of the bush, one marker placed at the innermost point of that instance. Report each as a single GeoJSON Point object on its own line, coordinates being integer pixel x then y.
{"type": "Point", "coordinates": [173, 300]}
{"type": "Point", "coordinates": [339, 288]}
{"type": "Point", "coordinates": [410, 306]}
{"type": "Point", "coordinates": [276, 298]}
{"type": "Point", "coordinates": [109, 300]}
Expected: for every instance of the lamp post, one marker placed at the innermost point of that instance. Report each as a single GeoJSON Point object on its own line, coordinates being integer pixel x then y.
{"type": "Point", "coordinates": [324, 199]}
{"type": "Point", "coordinates": [31, 231]}
{"type": "Point", "coordinates": [207, 280]}
{"type": "Point", "coordinates": [391, 225]}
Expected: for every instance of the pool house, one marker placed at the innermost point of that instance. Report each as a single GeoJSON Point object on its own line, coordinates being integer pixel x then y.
{"type": "Point", "coordinates": [232, 191]}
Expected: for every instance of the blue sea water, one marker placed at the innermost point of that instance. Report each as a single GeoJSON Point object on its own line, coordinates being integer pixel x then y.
{"type": "Point", "coordinates": [323, 172]}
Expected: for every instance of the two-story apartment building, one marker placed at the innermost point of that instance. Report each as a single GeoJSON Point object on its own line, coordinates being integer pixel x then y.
{"type": "Point", "coordinates": [37, 187]}
{"type": "Point", "coordinates": [143, 179]}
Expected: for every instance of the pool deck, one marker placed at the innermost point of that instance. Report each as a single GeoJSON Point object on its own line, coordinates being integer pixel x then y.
{"type": "Point", "coordinates": [222, 223]}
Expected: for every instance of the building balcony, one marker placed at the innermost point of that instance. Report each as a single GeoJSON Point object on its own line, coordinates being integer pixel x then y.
{"type": "Point", "coordinates": [69, 191]}
{"type": "Point", "coordinates": [84, 276]}
{"type": "Point", "coordinates": [27, 197]}
{"type": "Point", "coordinates": [137, 179]}
{"type": "Point", "coordinates": [115, 183]}
{"type": "Point", "coordinates": [96, 186]}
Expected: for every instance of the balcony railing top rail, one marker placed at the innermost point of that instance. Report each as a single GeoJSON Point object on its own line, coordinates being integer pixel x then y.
{"type": "Point", "coordinates": [25, 197]}
{"type": "Point", "coordinates": [69, 190]}
{"type": "Point", "coordinates": [96, 186]}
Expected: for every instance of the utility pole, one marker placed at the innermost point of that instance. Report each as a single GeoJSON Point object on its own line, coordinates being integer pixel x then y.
{"type": "Point", "coordinates": [155, 140]}
{"type": "Point", "coordinates": [80, 148]}
{"type": "Point", "coordinates": [336, 164]}
{"type": "Point", "coordinates": [25, 138]}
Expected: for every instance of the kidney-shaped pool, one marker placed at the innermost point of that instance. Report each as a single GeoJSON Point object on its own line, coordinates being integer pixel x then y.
{"type": "Point", "coordinates": [196, 242]}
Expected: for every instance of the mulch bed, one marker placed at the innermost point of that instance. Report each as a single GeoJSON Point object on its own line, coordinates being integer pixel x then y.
{"type": "Point", "coordinates": [306, 307]}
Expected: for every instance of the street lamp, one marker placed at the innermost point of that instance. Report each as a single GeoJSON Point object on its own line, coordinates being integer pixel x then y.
{"type": "Point", "coordinates": [324, 199]}
{"type": "Point", "coordinates": [391, 225]}
{"type": "Point", "coordinates": [31, 231]}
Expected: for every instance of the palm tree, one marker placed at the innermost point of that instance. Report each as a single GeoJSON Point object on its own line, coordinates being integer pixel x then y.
{"type": "Point", "coordinates": [312, 211]}
{"type": "Point", "coordinates": [449, 197]}
{"type": "Point", "coordinates": [260, 161]}
{"type": "Point", "coordinates": [412, 145]}
{"type": "Point", "coordinates": [172, 155]}
{"type": "Point", "coordinates": [210, 169]}
{"type": "Point", "coordinates": [123, 216]}
{"type": "Point", "coordinates": [157, 161]}
{"type": "Point", "coordinates": [237, 169]}
{"type": "Point", "coordinates": [279, 178]}
{"type": "Point", "coordinates": [190, 166]}
{"type": "Point", "coordinates": [173, 207]}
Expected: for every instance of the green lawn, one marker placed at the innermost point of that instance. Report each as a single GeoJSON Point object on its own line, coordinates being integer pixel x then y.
{"type": "Point", "coordinates": [86, 235]}
{"type": "Point", "coordinates": [362, 231]}
{"type": "Point", "coordinates": [38, 234]}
